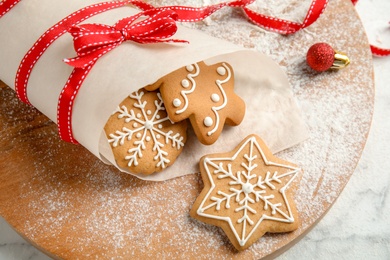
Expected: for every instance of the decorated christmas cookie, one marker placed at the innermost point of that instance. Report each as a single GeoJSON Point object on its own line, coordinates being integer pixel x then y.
{"type": "Point", "coordinates": [205, 95]}
{"type": "Point", "coordinates": [142, 137]}
{"type": "Point", "coordinates": [247, 192]}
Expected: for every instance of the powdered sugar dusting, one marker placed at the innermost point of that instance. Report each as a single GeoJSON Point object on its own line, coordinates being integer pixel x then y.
{"type": "Point", "coordinates": [294, 11]}
{"type": "Point", "coordinates": [82, 208]}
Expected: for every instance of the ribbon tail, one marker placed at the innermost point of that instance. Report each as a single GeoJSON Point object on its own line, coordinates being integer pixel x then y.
{"type": "Point", "coordinates": [193, 14]}
{"type": "Point", "coordinates": [379, 51]}
{"type": "Point", "coordinates": [87, 59]}
{"type": "Point", "coordinates": [153, 40]}
{"type": "Point", "coordinates": [178, 41]}
{"type": "Point", "coordinates": [316, 9]}
{"type": "Point", "coordinates": [272, 23]}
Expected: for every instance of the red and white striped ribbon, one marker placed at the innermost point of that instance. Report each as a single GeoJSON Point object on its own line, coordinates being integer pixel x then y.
{"type": "Point", "coordinates": [88, 56]}
{"type": "Point", "coordinates": [7, 5]}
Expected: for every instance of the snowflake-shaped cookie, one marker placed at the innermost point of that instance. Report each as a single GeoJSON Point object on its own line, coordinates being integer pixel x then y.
{"type": "Point", "coordinates": [142, 137]}
{"type": "Point", "coordinates": [246, 193]}
{"type": "Point", "coordinates": [204, 94]}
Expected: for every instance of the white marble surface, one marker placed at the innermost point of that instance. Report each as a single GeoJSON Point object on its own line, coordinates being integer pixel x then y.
{"type": "Point", "coordinates": [358, 225]}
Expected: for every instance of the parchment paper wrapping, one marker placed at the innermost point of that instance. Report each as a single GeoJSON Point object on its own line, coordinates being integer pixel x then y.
{"type": "Point", "coordinates": [271, 112]}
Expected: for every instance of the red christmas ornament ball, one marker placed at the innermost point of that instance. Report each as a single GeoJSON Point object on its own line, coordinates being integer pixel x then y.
{"type": "Point", "coordinates": [320, 56]}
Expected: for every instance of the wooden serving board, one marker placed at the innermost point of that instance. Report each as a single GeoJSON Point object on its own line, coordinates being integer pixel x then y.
{"type": "Point", "coordinates": [70, 205]}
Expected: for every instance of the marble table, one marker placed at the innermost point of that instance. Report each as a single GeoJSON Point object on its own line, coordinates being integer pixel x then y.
{"type": "Point", "coordinates": [357, 225]}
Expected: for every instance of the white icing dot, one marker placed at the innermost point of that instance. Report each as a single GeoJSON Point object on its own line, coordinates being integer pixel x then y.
{"type": "Point", "coordinates": [189, 68]}
{"type": "Point", "coordinates": [215, 97]}
{"type": "Point", "coordinates": [185, 83]}
{"type": "Point", "coordinates": [221, 71]}
{"type": "Point", "coordinates": [176, 102]}
{"type": "Point", "coordinates": [160, 126]}
{"type": "Point", "coordinates": [147, 138]}
{"type": "Point", "coordinates": [149, 112]}
{"type": "Point", "coordinates": [158, 136]}
{"type": "Point", "coordinates": [135, 125]}
{"type": "Point", "coordinates": [138, 115]}
{"type": "Point", "coordinates": [157, 116]}
{"type": "Point", "coordinates": [247, 188]}
{"type": "Point", "coordinates": [148, 125]}
{"type": "Point", "coordinates": [208, 121]}
{"type": "Point", "coordinates": [138, 135]}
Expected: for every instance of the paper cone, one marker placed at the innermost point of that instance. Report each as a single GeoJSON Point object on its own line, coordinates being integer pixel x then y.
{"type": "Point", "coordinates": [271, 112]}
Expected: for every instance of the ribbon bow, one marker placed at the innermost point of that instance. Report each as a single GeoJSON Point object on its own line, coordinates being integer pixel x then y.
{"type": "Point", "coordinates": [91, 41]}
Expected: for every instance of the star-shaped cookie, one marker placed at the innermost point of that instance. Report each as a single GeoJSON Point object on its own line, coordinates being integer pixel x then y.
{"type": "Point", "coordinates": [247, 192]}
{"type": "Point", "coordinates": [204, 94]}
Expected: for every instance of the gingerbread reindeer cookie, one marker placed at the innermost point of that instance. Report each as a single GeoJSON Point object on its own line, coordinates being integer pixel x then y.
{"type": "Point", "coordinates": [204, 94]}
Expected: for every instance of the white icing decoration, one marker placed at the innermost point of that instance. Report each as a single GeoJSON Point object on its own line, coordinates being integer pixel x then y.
{"type": "Point", "coordinates": [189, 68]}
{"type": "Point", "coordinates": [247, 187]}
{"type": "Point", "coordinates": [176, 102]}
{"type": "Point", "coordinates": [221, 71]}
{"type": "Point", "coordinates": [135, 125]}
{"type": "Point", "coordinates": [184, 93]}
{"type": "Point", "coordinates": [146, 125]}
{"type": "Point", "coordinates": [225, 69]}
{"type": "Point", "coordinates": [208, 121]}
{"type": "Point", "coordinates": [185, 83]}
{"type": "Point", "coordinates": [215, 98]}
{"type": "Point", "coordinates": [216, 109]}
{"type": "Point", "coordinates": [149, 112]}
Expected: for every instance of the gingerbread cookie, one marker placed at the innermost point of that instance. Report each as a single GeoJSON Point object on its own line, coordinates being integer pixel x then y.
{"type": "Point", "coordinates": [142, 137]}
{"type": "Point", "coordinates": [205, 95]}
{"type": "Point", "coordinates": [246, 193]}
